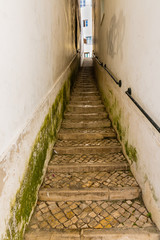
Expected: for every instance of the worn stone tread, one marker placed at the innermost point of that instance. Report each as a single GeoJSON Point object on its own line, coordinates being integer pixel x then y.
{"type": "Point", "coordinates": [86, 123]}
{"type": "Point", "coordinates": [85, 116]}
{"type": "Point", "coordinates": [72, 134]}
{"type": "Point", "coordinates": [81, 168]}
{"type": "Point", "coordinates": [88, 150]}
{"type": "Point", "coordinates": [84, 98]}
{"type": "Point", "coordinates": [85, 108]}
{"type": "Point", "coordinates": [147, 233]}
{"type": "Point", "coordinates": [95, 194]}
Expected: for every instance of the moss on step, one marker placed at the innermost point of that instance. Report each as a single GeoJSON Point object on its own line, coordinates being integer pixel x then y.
{"type": "Point", "coordinates": [26, 197]}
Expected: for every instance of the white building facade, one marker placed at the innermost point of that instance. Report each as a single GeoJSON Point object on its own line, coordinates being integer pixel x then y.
{"type": "Point", "coordinates": [86, 23]}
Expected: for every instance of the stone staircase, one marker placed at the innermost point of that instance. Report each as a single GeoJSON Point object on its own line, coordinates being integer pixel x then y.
{"type": "Point", "coordinates": [89, 192]}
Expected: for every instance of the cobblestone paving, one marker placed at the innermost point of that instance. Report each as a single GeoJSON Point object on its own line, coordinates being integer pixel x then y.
{"type": "Point", "coordinates": [90, 159]}
{"type": "Point", "coordinates": [90, 214]}
{"type": "Point", "coordinates": [87, 143]}
{"type": "Point", "coordinates": [89, 180]}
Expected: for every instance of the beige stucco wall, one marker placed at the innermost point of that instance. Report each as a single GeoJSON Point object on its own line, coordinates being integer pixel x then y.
{"type": "Point", "coordinates": [38, 53]}
{"type": "Point", "coordinates": [127, 40]}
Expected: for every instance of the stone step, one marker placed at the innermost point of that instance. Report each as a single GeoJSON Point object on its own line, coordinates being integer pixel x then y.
{"type": "Point", "coordinates": [122, 234]}
{"type": "Point", "coordinates": [71, 134]}
{"type": "Point", "coordinates": [84, 98]}
{"type": "Point", "coordinates": [86, 86]}
{"type": "Point", "coordinates": [86, 116]}
{"type": "Point", "coordinates": [106, 194]}
{"type": "Point", "coordinates": [95, 234]}
{"type": "Point", "coordinates": [86, 124]}
{"type": "Point", "coordinates": [86, 108]}
{"type": "Point", "coordinates": [93, 102]}
{"type": "Point", "coordinates": [84, 89]}
{"type": "Point", "coordinates": [86, 83]}
{"type": "Point", "coordinates": [87, 150]}
{"type": "Point", "coordinates": [81, 168]}
{"type": "Point", "coordinates": [111, 142]}
{"type": "Point", "coordinates": [89, 180]}
{"type": "Point", "coordinates": [92, 220]}
{"type": "Point", "coordinates": [87, 94]}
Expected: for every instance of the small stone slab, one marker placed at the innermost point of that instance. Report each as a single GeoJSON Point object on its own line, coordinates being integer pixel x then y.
{"type": "Point", "coordinates": [65, 136]}
{"type": "Point", "coordinates": [86, 116]}
{"type": "Point", "coordinates": [84, 98]}
{"type": "Point", "coordinates": [95, 234]}
{"type": "Point", "coordinates": [129, 193]}
{"type": "Point", "coordinates": [87, 150]}
{"type": "Point", "coordinates": [84, 89]}
{"type": "Point", "coordinates": [121, 234]}
{"type": "Point", "coordinates": [86, 124]}
{"type": "Point", "coordinates": [63, 234]}
{"type": "Point", "coordinates": [94, 102]}
{"type": "Point", "coordinates": [86, 108]}
{"type": "Point", "coordinates": [95, 93]}
{"type": "Point", "coordinates": [108, 167]}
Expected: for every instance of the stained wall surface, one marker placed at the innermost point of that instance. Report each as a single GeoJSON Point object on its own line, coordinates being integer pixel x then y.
{"type": "Point", "coordinates": [127, 40]}
{"type": "Point", "coordinates": [38, 45]}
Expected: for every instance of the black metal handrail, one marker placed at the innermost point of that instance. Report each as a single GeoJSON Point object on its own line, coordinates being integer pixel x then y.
{"type": "Point", "coordinates": [129, 92]}
{"type": "Point", "coordinates": [118, 82]}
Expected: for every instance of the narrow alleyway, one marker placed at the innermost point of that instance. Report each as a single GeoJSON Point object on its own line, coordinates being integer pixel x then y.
{"type": "Point", "coordinates": [89, 191]}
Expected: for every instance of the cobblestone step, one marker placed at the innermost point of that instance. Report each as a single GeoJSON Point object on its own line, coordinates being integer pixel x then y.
{"type": "Point", "coordinates": [82, 180]}
{"type": "Point", "coordinates": [112, 158]}
{"type": "Point", "coordinates": [86, 108]}
{"type": "Point", "coordinates": [84, 98]}
{"type": "Point", "coordinates": [88, 143]}
{"type": "Point", "coordinates": [84, 89]}
{"type": "Point", "coordinates": [85, 86]}
{"type": "Point", "coordinates": [87, 94]}
{"type": "Point", "coordinates": [94, 219]}
{"type": "Point", "coordinates": [86, 116]}
{"type": "Point", "coordinates": [86, 124]}
{"type": "Point", "coordinates": [64, 135]}
{"type": "Point", "coordinates": [95, 102]}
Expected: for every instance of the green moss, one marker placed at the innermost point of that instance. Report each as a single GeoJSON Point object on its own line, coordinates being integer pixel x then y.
{"type": "Point", "coordinates": [26, 197]}
{"type": "Point", "coordinates": [149, 215]}
{"type": "Point", "coordinates": [115, 114]}
{"type": "Point", "coordinates": [131, 152]}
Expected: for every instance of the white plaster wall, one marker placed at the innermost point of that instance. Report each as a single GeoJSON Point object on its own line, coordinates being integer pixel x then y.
{"type": "Point", "coordinates": [37, 45]}
{"type": "Point", "coordinates": [128, 41]}
{"type": "Point", "coordinates": [35, 37]}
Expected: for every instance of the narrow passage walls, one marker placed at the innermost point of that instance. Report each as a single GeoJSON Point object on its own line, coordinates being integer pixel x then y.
{"type": "Point", "coordinates": [127, 40]}
{"type": "Point", "coordinates": [38, 45]}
